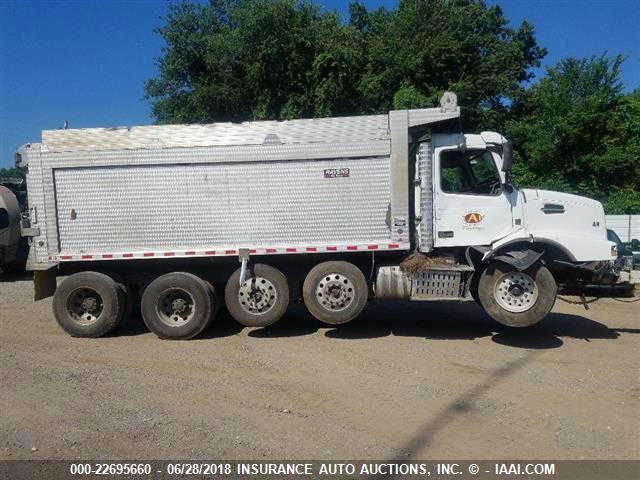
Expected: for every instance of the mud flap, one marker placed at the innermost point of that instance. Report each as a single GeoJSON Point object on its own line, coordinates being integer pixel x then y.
{"type": "Point", "coordinates": [520, 260]}
{"type": "Point", "coordinates": [44, 283]}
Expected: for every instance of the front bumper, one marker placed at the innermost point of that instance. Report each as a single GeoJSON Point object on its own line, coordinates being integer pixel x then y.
{"type": "Point", "coordinates": [603, 272]}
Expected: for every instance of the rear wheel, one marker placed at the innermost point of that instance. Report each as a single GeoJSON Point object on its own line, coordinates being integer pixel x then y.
{"type": "Point", "coordinates": [89, 304]}
{"type": "Point", "coordinates": [335, 292]}
{"type": "Point", "coordinates": [473, 287]}
{"type": "Point", "coordinates": [177, 305]}
{"type": "Point", "coordinates": [261, 300]}
{"type": "Point", "coordinates": [515, 298]}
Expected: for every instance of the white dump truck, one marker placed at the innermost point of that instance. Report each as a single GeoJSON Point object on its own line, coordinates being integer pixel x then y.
{"type": "Point", "coordinates": [333, 211]}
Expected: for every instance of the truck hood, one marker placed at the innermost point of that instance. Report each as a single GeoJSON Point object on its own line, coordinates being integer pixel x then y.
{"type": "Point", "coordinates": [560, 197]}
{"type": "Point", "coordinates": [549, 211]}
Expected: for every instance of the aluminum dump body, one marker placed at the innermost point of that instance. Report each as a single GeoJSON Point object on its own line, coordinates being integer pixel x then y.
{"type": "Point", "coordinates": [298, 186]}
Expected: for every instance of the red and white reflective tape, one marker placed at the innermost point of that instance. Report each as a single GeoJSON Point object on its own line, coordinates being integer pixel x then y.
{"type": "Point", "coordinates": [228, 252]}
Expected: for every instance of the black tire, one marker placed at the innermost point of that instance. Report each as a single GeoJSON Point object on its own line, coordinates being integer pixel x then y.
{"type": "Point", "coordinates": [345, 290]}
{"type": "Point", "coordinates": [131, 304]}
{"type": "Point", "coordinates": [271, 302]}
{"type": "Point", "coordinates": [89, 304]}
{"type": "Point", "coordinates": [217, 305]}
{"type": "Point", "coordinates": [492, 285]}
{"type": "Point", "coordinates": [473, 287]}
{"type": "Point", "coordinates": [129, 296]}
{"type": "Point", "coordinates": [177, 305]}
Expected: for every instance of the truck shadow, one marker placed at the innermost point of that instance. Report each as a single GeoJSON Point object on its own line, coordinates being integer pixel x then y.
{"type": "Point", "coordinates": [18, 276]}
{"type": "Point", "coordinates": [465, 320]}
{"type": "Point", "coordinates": [222, 326]}
{"type": "Point", "coordinates": [296, 322]}
{"type": "Point", "coordinates": [448, 320]}
{"type": "Point", "coordinates": [445, 320]}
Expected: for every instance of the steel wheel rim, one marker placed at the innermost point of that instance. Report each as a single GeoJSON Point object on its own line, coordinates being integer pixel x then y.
{"type": "Point", "coordinates": [257, 295]}
{"type": "Point", "coordinates": [516, 292]}
{"type": "Point", "coordinates": [175, 307]}
{"type": "Point", "coordinates": [335, 292]}
{"type": "Point", "coordinates": [85, 306]}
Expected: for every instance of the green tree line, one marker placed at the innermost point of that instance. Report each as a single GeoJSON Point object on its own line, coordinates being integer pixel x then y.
{"type": "Point", "coordinates": [233, 60]}
{"type": "Point", "coordinates": [10, 173]}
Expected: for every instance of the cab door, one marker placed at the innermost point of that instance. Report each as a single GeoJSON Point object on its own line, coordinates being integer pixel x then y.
{"type": "Point", "coordinates": [471, 207]}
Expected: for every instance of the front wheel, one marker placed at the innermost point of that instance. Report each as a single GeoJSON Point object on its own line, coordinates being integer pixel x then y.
{"type": "Point", "coordinates": [515, 298]}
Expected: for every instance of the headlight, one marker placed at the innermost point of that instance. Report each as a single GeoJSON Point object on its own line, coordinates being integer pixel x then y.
{"type": "Point", "coordinates": [614, 251]}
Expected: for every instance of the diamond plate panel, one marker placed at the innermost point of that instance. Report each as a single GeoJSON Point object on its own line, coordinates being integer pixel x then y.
{"type": "Point", "coordinates": [425, 169]}
{"type": "Point", "coordinates": [315, 130]}
{"type": "Point", "coordinates": [217, 154]}
{"type": "Point", "coordinates": [437, 284]}
{"type": "Point", "coordinates": [136, 207]}
{"type": "Point", "coordinates": [37, 206]}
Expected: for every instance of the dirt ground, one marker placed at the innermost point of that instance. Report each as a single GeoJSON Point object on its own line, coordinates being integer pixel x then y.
{"type": "Point", "coordinates": [405, 381]}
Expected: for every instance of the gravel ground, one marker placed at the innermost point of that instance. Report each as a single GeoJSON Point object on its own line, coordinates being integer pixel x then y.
{"type": "Point", "coordinates": [405, 381]}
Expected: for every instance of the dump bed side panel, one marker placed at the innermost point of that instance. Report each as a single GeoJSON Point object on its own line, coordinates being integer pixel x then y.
{"type": "Point", "coordinates": [309, 185]}
{"type": "Point", "coordinates": [217, 206]}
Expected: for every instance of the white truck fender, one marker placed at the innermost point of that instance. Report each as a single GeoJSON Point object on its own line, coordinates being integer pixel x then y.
{"type": "Point", "coordinates": [518, 257]}
{"type": "Point", "coordinates": [519, 235]}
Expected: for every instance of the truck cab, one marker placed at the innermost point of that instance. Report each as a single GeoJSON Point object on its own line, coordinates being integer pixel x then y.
{"type": "Point", "coordinates": [521, 245]}
{"type": "Point", "coordinates": [475, 203]}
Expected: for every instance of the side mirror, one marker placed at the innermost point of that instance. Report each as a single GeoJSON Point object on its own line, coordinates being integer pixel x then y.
{"type": "Point", "coordinates": [4, 218]}
{"type": "Point", "coordinates": [507, 156]}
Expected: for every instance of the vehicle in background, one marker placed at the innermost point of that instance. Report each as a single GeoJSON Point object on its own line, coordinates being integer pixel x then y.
{"type": "Point", "coordinates": [18, 186]}
{"type": "Point", "coordinates": [634, 246]}
{"type": "Point", "coordinates": [625, 260]}
{"type": "Point", "coordinates": [627, 229]}
{"type": "Point", "coordinates": [9, 229]}
{"type": "Point", "coordinates": [330, 210]}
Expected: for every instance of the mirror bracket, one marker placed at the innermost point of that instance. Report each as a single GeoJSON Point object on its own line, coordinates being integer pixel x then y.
{"type": "Point", "coordinates": [507, 156]}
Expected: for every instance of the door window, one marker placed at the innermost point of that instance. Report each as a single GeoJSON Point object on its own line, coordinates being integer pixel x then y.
{"type": "Point", "coordinates": [469, 172]}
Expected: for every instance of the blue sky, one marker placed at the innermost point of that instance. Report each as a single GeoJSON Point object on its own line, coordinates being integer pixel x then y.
{"type": "Point", "coordinates": [86, 61]}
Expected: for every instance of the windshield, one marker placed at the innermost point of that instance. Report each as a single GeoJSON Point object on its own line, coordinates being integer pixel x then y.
{"type": "Point", "coordinates": [469, 171]}
{"type": "Point", "coordinates": [613, 237]}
